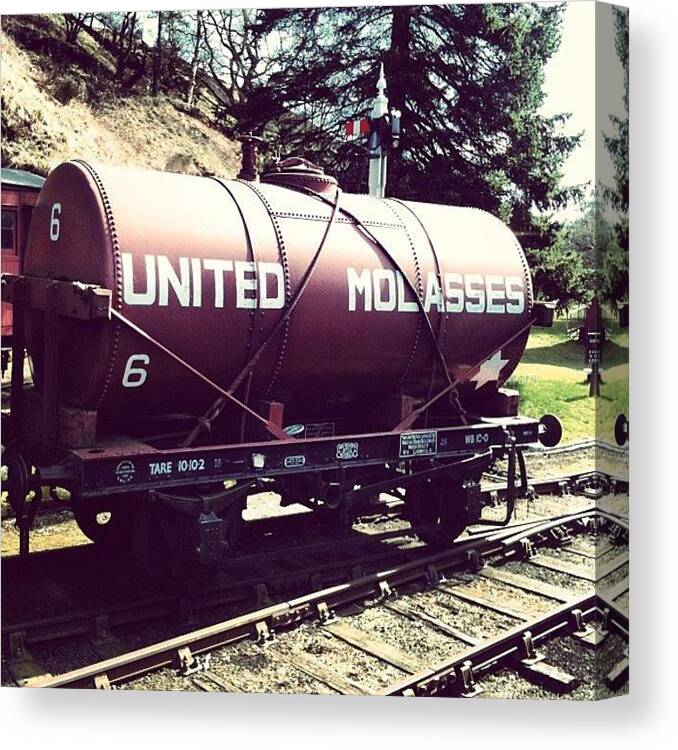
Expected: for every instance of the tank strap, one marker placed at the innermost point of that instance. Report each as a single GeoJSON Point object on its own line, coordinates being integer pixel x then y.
{"type": "Point", "coordinates": [219, 404]}
{"type": "Point", "coordinates": [250, 247]}
{"type": "Point", "coordinates": [282, 252]}
{"type": "Point", "coordinates": [388, 203]}
{"type": "Point", "coordinates": [442, 317]}
{"type": "Point", "coordinates": [411, 418]}
{"type": "Point", "coordinates": [371, 236]}
{"type": "Point", "coordinates": [225, 395]}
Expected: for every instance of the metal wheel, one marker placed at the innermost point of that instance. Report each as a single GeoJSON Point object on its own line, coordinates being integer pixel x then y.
{"type": "Point", "coordinates": [107, 521]}
{"type": "Point", "coordinates": [163, 552]}
{"type": "Point", "coordinates": [18, 474]}
{"type": "Point", "coordinates": [338, 518]}
{"type": "Point", "coordinates": [24, 493]}
{"type": "Point", "coordinates": [233, 522]}
{"type": "Point", "coordinates": [439, 508]}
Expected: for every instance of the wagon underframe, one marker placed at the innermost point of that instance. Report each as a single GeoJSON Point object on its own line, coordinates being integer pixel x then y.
{"type": "Point", "coordinates": [128, 466]}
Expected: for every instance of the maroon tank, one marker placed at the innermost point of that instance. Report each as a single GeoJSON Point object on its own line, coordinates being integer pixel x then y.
{"type": "Point", "coordinates": [207, 267]}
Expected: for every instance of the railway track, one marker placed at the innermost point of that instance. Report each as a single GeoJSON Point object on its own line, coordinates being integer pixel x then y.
{"type": "Point", "coordinates": [255, 579]}
{"type": "Point", "coordinates": [294, 562]}
{"type": "Point", "coordinates": [466, 612]}
{"type": "Point", "coordinates": [579, 445]}
{"type": "Point", "coordinates": [251, 579]}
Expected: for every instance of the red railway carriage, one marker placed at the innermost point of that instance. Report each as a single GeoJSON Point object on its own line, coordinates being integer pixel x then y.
{"type": "Point", "coordinates": [19, 194]}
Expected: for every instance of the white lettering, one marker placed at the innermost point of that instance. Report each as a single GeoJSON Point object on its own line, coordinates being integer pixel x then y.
{"type": "Point", "coordinates": [167, 276]}
{"type": "Point", "coordinates": [474, 287]}
{"type": "Point", "coordinates": [263, 285]}
{"type": "Point", "coordinates": [278, 301]}
{"type": "Point", "coordinates": [495, 296]}
{"type": "Point", "coordinates": [161, 467]}
{"type": "Point", "coordinates": [244, 284]}
{"type": "Point", "coordinates": [380, 303]}
{"type": "Point", "coordinates": [129, 295]}
{"type": "Point", "coordinates": [54, 223]}
{"type": "Point", "coordinates": [434, 294]}
{"type": "Point", "coordinates": [134, 377]}
{"type": "Point", "coordinates": [359, 284]}
{"type": "Point", "coordinates": [191, 464]}
{"type": "Point", "coordinates": [219, 267]}
{"type": "Point", "coordinates": [514, 295]}
{"type": "Point", "coordinates": [196, 274]}
{"type": "Point", "coordinates": [454, 292]}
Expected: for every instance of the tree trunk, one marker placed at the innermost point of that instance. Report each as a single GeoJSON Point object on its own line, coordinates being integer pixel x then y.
{"type": "Point", "coordinates": [398, 67]}
{"type": "Point", "coordinates": [157, 65]}
{"type": "Point", "coordinates": [398, 59]}
{"type": "Point", "coordinates": [196, 59]}
{"type": "Point", "coordinates": [125, 43]}
{"type": "Point", "coordinates": [73, 23]}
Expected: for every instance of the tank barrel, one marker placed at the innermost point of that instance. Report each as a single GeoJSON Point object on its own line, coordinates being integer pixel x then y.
{"type": "Point", "coordinates": [395, 293]}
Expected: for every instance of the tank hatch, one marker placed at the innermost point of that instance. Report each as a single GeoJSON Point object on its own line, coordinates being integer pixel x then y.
{"type": "Point", "coordinates": [297, 173]}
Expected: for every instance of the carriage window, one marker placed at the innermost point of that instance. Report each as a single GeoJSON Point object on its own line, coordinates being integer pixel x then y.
{"type": "Point", "coordinates": [8, 230]}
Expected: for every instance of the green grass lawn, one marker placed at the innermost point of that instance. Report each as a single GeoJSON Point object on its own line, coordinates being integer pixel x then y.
{"type": "Point", "coordinates": [551, 379]}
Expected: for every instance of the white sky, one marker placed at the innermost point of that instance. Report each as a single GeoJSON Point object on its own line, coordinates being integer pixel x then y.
{"type": "Point", "coordinates": [150, 28]}
{"type": "Point", "coordinates": [571, 87]}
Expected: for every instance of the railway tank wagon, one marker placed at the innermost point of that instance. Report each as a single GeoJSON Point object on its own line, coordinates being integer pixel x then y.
{"type": "Point", "coordinates": [206, 267]}
{"type": "Point", "coordinates": [185, 331]}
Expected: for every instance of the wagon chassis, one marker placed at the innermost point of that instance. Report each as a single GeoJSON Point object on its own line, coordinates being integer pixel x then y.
{"type": "Point", "coordinates": [417, 457]}
{"type": "Point", "coordinates": [138, 466]}
{"type": "Point", "coordinates": [116, 466]}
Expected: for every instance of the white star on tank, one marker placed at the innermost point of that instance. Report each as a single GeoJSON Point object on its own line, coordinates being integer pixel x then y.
{"type": "Point", "coordinates": [489, 370]}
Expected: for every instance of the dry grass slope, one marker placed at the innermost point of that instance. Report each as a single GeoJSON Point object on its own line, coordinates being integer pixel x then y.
{"type": "Point", "coordinates": [39, 132]}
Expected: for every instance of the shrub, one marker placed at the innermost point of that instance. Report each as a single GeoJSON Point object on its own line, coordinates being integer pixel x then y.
{"type": "Point", "coordinates": [68, 87]}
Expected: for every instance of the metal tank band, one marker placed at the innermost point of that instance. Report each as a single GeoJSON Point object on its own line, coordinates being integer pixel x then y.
{"type": "Point", "coordinates": [117, 291]}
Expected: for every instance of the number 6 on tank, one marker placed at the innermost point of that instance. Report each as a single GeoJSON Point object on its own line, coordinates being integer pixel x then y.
{"type": "Point", "coordinates": [54, 223]}
{"type": "Point", "coordinates": [134, 377]}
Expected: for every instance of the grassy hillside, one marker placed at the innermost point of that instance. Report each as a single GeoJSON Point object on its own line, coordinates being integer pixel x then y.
{"type": "Point", "coordinates": [61, 101]}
